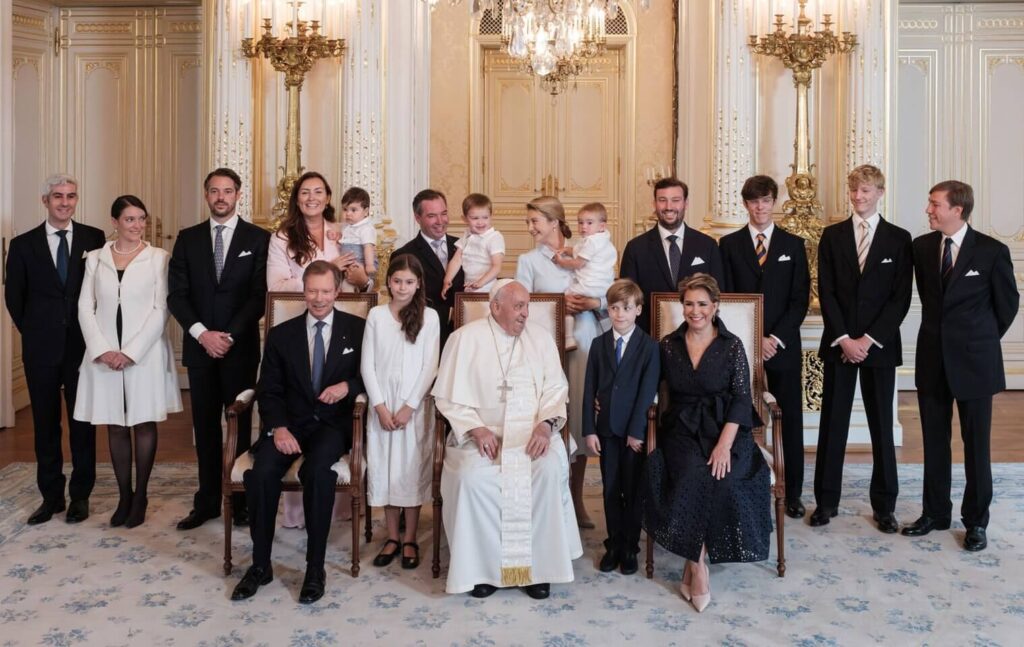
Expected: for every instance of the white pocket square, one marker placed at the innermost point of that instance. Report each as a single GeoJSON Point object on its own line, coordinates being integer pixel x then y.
{"type": "Point", "coordinates": [784, 258]}
{"type": "Point", "coordinates": [245, 253]}
{"type": "Point", "coordinates": [973, 273]}
{"type": "Point", "coordinates": [347, 351]}
{"type": "Point", "coordinates": [886, 260]}
{"type": "Point", "coordinates": [697, 261]}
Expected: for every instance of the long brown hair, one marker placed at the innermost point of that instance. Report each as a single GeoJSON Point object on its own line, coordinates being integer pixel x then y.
{"type": "Point", "coordinates": [294, 229]}
{"type": "Point", "coordinates": [551, 208]}
{"type": "Point", "coordinates": [411, 316]}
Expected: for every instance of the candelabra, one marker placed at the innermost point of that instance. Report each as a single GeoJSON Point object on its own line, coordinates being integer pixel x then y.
{"type": "Point", "coordinates": [294, 55]}
{"type": "Point", "coordinates": [803, 51]}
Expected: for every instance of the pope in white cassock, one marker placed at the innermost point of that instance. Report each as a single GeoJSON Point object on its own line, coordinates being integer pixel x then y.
{"type": "Point", "coordinates": [507, 508]}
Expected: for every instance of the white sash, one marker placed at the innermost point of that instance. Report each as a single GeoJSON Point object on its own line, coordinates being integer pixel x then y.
{"type": "Point", "coordinates": [517, 477]}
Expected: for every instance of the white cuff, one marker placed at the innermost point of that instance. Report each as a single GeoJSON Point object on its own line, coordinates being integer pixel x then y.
{"type": "Point", "coordinates": [839, 339]}
{"type": "Point", "coordinates": [197, 329]}
{"type": "Point", "coordinates": [779, 342]}
{"type": "Point", "coordinates": [873, 341]}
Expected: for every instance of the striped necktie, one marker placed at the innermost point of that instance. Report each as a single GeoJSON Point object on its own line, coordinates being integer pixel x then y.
{"type": "Point", "coordinates": [863, 244]}
{"type": "Point", "coordinates": [759, 249]}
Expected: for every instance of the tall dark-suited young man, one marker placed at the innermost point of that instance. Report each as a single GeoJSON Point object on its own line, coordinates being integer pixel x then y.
{"type": "Point", "coordinates": [660, 258]}
{"type": "Point", "coordinates": [45, 266]}
{"type": "Point", "coordinates": [865, 274]}
{"type": "Point", "coordinates": [434, 247]}
{"type": "Point", "coordinates": [217, 287]}
{"type": "Point", "coordinates": [969, 298]}
{"type": "Point", "coordinates": [762, 258]}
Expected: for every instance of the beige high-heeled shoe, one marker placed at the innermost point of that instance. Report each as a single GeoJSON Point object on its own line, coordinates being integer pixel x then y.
{"type": "Point", "coordinates": [684, 588]}
{"type": "Point", "coordinates": [701, 601]}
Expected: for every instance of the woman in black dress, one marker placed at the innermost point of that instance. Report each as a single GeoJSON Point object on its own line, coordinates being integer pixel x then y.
{"type": "Point", "coordinates": [708, 485]}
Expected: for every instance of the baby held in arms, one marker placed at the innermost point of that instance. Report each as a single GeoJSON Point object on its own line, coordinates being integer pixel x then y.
{"type": "Point", "coordinates": [592, 259]}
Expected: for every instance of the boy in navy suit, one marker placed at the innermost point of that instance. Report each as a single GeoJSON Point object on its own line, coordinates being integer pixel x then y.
{"type": "Point", "coordinates": [623, 370]}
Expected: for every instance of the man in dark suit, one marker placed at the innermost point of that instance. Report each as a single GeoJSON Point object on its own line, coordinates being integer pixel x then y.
{"type": "Point", "coordinates": [865, 270]}
{"type": "Point", "coordinates": [434, 247]}
{"type": "Point", "coordinates": [308, 385]}
{"type": "Point", "coordinates": [660, 258]}
{"type": "Point", "coordinates": [217, 288]}
{"type": "Point", "coordinates": [969, 298]}
{"type": "Point", "coordinates": [764, 259]}
{"type": "Point", "coordinates": [44, 276]}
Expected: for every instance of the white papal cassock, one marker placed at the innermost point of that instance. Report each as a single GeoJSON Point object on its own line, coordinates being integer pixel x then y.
{"type": "Point", "coordinates": [511, 515]}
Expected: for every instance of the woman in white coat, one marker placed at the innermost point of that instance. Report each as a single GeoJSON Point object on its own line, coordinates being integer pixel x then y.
{"type": "Point", "coordinates": [400, 353]}
{"type": "Point", "coordinates": [127, 380]}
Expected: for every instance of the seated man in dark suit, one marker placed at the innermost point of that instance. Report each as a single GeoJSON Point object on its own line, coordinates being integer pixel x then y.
{"type": "Point", "coordinates": [762, 258]}
{"type": "Point", "coordinates": [658, 259]}
{"type": "Point", "coordinates": [308, 384]}
{"type": "Point", "coordinates": [969, 298]}
{"type": "Point", "coordinates": [432, 246]}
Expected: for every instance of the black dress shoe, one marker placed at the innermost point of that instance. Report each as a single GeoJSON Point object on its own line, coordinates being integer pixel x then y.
{"type": "Point", "coordinates": [628, 565]}
{"type": "Point", "coordinates": [382, 558]}
{"type": "Point", "coordinates": [409, 563]}
{"type": "Point", "coordinates": [240, 516]}
{"type": "Point", "coordinates": [886, 522]}
{"type": "Point", "coordinates": [975, 539]}
{"type": "Point", "coordinates": [253, 579]}
{"type": "Point", "coordinates": [609, 562]}
{"type": "Point", "coordinates": [195, 519]}
{"type": "Point", "coordinates": [45, 512]}
{"type": "Point", "coordinates": [795, 509]}
{"type": "Point", "coordinates": [78, 511]}
{"type": "Point", "coordinates": [822, 515]}
{"type": "Point", "coordinates": [483, 591]}
{"type": "Point", "coordinates": [313, 585]}
{"type": "Point", "coordinates": [925, 525]}
{"type": "Point", "coordinates": [538, 591]}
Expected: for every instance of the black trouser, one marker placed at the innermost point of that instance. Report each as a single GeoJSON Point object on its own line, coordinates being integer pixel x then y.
{"type": "Point", "coordinates": [877, 387]}
{"type": "Point", "coordinates": [213, 387]}
{"type": "Point", "coordinates": [44, 389]}
{"type": "Point", "coordinates": [787, 387]}
{"type": "Point", "coordinates": [320, 450]}
{"type": "Point", "coordinates": [620, 477]}
{"type": "Point", "coordinates": [976, 431]}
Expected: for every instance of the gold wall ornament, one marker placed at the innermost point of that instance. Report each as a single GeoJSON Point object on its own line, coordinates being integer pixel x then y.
{"type": "Point", "coordinates": [813, 375]}
{"type": "Point", "coordinates": [803, 52]}
{"type": "Point", "coordinates": [293, 54]}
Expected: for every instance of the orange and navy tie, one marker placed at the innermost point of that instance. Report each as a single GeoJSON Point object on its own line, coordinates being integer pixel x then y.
{"type": "Point", "coordinates": [760, 251]}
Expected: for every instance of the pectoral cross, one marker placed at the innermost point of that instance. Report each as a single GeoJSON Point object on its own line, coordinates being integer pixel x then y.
{"type": "Point", "coordinates": [504, 388]}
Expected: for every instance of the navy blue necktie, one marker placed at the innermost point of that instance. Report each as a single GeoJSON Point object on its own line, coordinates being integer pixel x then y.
{"type": "Point", "coordinates": [318, 357]}
{"type": "Point", "coordinates": [63, 255]}
{"type": "Point", "coordinates": [618, 351]}
{"type": "Point", "coordinates": [947, 262]}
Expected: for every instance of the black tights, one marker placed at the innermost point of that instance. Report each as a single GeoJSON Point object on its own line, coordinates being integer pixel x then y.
{"type": "Point", "coordinates": [121, 456]}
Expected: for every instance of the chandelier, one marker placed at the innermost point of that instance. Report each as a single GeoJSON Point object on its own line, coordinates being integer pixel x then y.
{"type": "Point", "coordinates": [553, 39]}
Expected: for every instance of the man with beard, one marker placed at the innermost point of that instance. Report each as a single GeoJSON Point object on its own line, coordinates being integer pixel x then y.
{"type": "Point", "coordinates": [669, 252]}
{"type": "Point", "coordinates": [217, 287]}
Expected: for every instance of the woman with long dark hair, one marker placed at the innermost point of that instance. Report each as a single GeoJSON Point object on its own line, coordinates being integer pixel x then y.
{"type": "Point", "coordinates": [400, 354]}
{"type": "Point", "coordinates": [127, 380]}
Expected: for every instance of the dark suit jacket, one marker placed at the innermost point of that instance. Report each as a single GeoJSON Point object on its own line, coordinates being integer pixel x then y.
{"type": "Point", "coordinates": [626, 390]}
{"type": "Point", "coordinates": [873, 303]}
{"type": "Point", "coordinates": [285, 389]}
{"type": "Point", "coordinates": [433, 278]}
{"type": "Point", "coordinates": [46, 312]}
{"type": "Point", "coordinates": [234, 305]}
{"type": "Point", "coordinates": [644, 261]}
{"type": "Point", "coordinates": [961, 328]}
{"type": "Point", "coordinates": [786, 286]}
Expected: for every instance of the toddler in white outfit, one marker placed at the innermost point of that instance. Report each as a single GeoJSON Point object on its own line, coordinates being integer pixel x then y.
{"type": "Point", "coordinates": [592, 259]}
{"type": "Point", "coordinates": [481, 250]}
{"type": "Point", "coordinates": [358, 237]}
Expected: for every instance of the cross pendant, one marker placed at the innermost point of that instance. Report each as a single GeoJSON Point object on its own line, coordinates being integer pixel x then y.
{"type": "Point", "coordinates": [504, 389]}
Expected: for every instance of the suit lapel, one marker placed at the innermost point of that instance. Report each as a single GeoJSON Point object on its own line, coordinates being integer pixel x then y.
{"type": "Point", "coordinates": [206, 248]}
{"type": "Point", "coordinates": [426, 251]}
{"type": "Point", "coordinates": [848, 244]}
{"type": "Point", "coordinates": [609, 352]}
{"type": "Point", "coordinates": [656, 248]}
{"type": "Point", "coordinates": [750, 255]}
{"type": "Point", "coordinates": [238, 242]}
{"type": "Point", "coordinates": [963, 259]}
{"type": "Point", "coordinates": [42, 250]}
{"type": "Point", "coordinates": [76, 252]}
{"type": "Point", "coordinates": [876, 251]}
{"type": "Point", "coordinates": [933, 269]}
{"type": "Point", "coordinates": [336, 349]}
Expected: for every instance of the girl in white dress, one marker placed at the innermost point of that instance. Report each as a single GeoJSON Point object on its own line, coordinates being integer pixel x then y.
{"type": "Point", "coordinates": [400, 354]}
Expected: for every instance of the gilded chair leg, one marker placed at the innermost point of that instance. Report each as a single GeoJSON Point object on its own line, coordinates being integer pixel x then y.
{"type": "Point", "coordinates": [227, 533]}
{"type": "Point", "coordinates": [356, 498]}
{"type": "Point", "coordinates": [780, 533]}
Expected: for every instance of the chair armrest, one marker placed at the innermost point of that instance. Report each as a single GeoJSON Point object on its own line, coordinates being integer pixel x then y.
{"type": "Point", "coordinates": [358, 453]}
{"type": "Point", "coordinates": [440, 435]}
{"type": "Point", "coordinates": [775, 413]}
{"type": "Point", "coordinates": [243, 402]}
{"type": "Point", "coordinates": [652, 425]}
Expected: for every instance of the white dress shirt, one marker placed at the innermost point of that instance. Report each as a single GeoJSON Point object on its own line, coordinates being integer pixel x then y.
{"type": "Point", "coordinates": [769, 230]}
{"type": "Point", "coordinates": [53, 240]}
{"type": "Point", "coordinates": [311, 333]}
{"type": "Point", "coordinates": [665, 233]}
{"type": "Point", "coordinates": [624, 337]}
{"type": "Point", "coordinates": [226, 234]}
{"type": "Point", "coordinates": [958, 241]}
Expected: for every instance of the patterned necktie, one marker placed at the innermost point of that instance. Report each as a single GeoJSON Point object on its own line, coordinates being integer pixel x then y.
{"type": "Point", "coordinates": [318, 356]}
{"type": "Point", "coordinates": [862, 244]}
{"type": "Point", "coordinates": [218, 250]}
{"type": "Point", "coordinates": [442, 252]}
{"type": "Point", "coordinates": [947, 262]}
{"type": "Point", "coordinates": [674, 257]}
{"type": "Point", "coordinates": [759, 249]}
{"type": "Point", "coordinates": [63, 255]}
{"type": "Point", "coordinates": [618, 351]}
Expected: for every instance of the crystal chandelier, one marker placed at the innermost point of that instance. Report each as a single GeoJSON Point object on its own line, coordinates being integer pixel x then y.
{"type": "Point", "coordinates": [554, 39]}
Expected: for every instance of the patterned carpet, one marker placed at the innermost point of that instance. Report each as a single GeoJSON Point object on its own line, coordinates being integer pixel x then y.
{"type": "Point", "coordinates": [846, 584]}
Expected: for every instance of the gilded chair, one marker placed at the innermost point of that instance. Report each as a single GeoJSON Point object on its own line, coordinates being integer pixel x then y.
{"type": "Point", "coordinates": [351, 469]}
{"type": "Point", "coordinates": [743, 314]}
{"type": "Point", "coordinates": [546, 309]}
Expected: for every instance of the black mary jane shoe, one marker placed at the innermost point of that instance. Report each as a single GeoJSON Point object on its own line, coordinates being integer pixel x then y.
{"type": "Point", "coordinates": [409, 563]}
{"type": "Point", "coordinates": [382, 558]}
